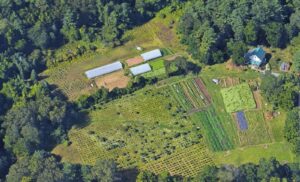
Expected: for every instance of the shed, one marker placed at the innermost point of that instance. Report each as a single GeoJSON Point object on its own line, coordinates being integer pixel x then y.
{"type": "Point", "coordinates": [151, 55]}
{"type": "Point", "coordinates": [109, 68]}
{"type": "Point", "coordinates": [284, 66]}
{"type": "Point", "coordinates": [140, 69]}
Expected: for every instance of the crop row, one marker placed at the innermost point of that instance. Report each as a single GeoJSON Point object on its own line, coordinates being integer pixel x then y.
{"type": "Point", "coordinates": [214, 131]}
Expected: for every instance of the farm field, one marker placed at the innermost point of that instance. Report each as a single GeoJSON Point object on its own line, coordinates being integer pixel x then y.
{"type": "Point", "coordinates": [190, 94]}
{"type": "Point", "coordinates": [243, 155]}
{"type": "Point", "coordinates": [257, 132]}
{"type": "Point", "coordinates": [214, 131]}
{"type": "Point", "coordinates": [238, 98]}
{"type": "Point", "coordinates": [113, 80]}
{"type": "Point", "coordinates": [187, 162]}
{"type": "Point", "coordinates": [158, 69]}
{"type": "Point", "coordinates": [127, 129]}
{"type": "Point", "coordinates": [69, 76]}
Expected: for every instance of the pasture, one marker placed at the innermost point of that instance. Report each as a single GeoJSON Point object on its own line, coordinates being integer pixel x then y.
{"type": "Point", "coordinates": [238, 98]}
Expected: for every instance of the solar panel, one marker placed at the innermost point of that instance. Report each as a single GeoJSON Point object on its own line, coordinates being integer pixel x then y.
{"type": "Point", "coordinates": [243, 125]}
{"type": "Point", "coordinates": [104, 70]}
{"type": "Point", "coordinates": [140, 69]}
{"type": "Point", "coordinates": [151, 55]}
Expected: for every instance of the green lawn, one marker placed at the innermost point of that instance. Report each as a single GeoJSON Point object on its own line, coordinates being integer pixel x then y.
{"type": "Point", "coordinates": [252, 154]}
{"type": "Point", "coordinates": [238, 98]}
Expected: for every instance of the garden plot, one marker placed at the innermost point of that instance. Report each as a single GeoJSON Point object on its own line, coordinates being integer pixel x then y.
{"type": "Point", "coordinates": [216, 135]}
{"type": "Point", "coordinates": [158, 69]}
{"type": "Point", "coordinates": [229, 82]}
{"type": "Point", "coordinates": [190, 94]}
{"type": "Point", "coordinates": [113, 80]}
{"type": "Point", "coordinates": [257, 132]}
{"type": "Point", "coordinates": [127, 129]}
{"type": "Point", "coordinates": [187, 162]}
{"type": "Point", "coordinates": [238, 98]}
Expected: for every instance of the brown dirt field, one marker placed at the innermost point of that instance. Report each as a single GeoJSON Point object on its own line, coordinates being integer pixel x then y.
{"type": "Point", "coordinates": [134, 61]}
{"type": "Point", "coordinates": [257, 98]}
{"type": "Point", "coordinates": [69, 153]}
{"type": "Point", "coordinates": [113, 80]}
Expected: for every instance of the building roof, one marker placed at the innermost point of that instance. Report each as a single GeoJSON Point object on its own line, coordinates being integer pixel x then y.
{"type": "Point", "coordinates": [284, 66]}
{"type": "Point", "coordinates": [109, 68]}
{"type": "Point", "coordinates": [256, 56]}
{"type": "Point", "coordinates": [140, 69]}
{"type": "Point", "coordinates": [151, 55]}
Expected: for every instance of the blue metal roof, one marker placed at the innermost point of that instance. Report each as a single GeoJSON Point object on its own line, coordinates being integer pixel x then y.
{"type": "Point", "coordinates": [104, 70]}
{"type": "Point", "coordinates": [151, 55]}
{"type": "Point", "coordinates": [253, 54]}
{"type": "Point", "coordinates": [140, 69]}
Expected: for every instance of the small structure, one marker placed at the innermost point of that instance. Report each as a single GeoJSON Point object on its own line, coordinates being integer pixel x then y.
{"type": "Point", "coordinates": [104, 70]}
{"type": "Point", "coordinates": [256, 57]}
{"type": "Point", "coordinates": [242, 122]}
{"type": "Point", "coordinates": [151, 55]}
{"type": "Point", "coordinates": [139, 48]}
{"type": "Point", "coordinates": [285, 67]}
{"type": "Point", "coordinates": [140, 69]}
{"type": "Point", "coordinates": [216, 81]}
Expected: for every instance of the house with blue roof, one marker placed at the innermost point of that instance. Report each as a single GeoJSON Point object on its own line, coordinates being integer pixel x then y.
{"type": "Point", "coordinates": [256, 57]}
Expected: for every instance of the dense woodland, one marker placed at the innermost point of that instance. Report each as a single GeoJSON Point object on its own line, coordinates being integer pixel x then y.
{"type": "Point", "coordinates": [34, 118]}
{"type": "Point", "coordinates": [215, 29]}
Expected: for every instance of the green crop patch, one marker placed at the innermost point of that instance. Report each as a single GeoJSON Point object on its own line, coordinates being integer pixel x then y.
{"type": "Point", "coordinates": [214, 130]}
{"type": "Point", "coordinates": [238, 98]}
{"type": "Point", "coordinates": [158, 69]}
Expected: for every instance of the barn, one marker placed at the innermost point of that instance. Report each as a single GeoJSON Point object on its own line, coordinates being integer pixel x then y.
{"type": "Point", "coordinates": [151, 55]}
{"type": "Point", "coordinates": [140, 69]}
{"type": "Point", "coordinates": [109, 68]}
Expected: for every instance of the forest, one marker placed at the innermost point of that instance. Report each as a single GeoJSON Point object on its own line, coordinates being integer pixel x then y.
{"type": "Point", "coordinates": [34, 117]}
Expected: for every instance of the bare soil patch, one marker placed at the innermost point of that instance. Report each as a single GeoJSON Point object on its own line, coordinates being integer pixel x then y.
{"type": "Point", "coordinates": [257, 98]}
{"type": "Point", "coordinates": [113, 80]}
{"type": "Point", "coordinates": [134, 61]}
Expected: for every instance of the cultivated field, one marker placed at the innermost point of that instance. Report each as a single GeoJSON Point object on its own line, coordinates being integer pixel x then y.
{"type": "Point", "coordinates": [113, 80]}
{"type": "Point", "coordinates": [158, 69]}
{"type": "Point", "coordinates": [187, 162]}
{"type": "Point", "coordinates": [190, 94]}
{"type": "Point", "coordinates": [127, 130]}
{"type": "Point", "coordinates": [214, 131]}
{"type": "Point", "coordinates": [238, 98]}
{"type": "Point", "coordinates": [257, 132]}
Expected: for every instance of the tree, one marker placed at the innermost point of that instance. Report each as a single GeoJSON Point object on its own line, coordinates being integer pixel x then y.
{"type": "Point", "coordinates": [276, 34]}
{"type": "Point", "coordinates": [292, 128]}
{"type": "Point", "coordinates": [250, 32]}
{"type": "Point", "coordinates": [146, 176]}
{"type": "Point", "coordinates": [237, 51]}
{"type": "Point", "coordinates": [296, 61]}
{"type": "Point", "coordinates": [103, 171]}
{"type": "Point", "coordinates": [41, 166]}
{"type": "Point", "coordinates": [209, 174]}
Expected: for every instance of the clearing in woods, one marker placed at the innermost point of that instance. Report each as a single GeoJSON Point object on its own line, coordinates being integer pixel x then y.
{"type": "Point", "coordinates": [69, 76]}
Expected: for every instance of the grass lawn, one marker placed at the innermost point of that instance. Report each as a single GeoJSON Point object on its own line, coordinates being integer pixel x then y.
{"type": "Point", "coordinates": [238, 98]}
{"type": "Point", "coordinates": [239, 156]}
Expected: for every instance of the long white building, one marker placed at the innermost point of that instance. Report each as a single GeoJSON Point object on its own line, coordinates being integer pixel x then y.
{"type": "Point", "coordinates": [104, 70]}
{"type": "Point", "coordinates": [140, 69]}
{"type": "Point", "coordinates": [151, 55]}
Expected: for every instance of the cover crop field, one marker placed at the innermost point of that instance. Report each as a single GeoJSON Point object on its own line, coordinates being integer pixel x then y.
{"type": "Point", "coordinates": [238, 98]}
{"type": "Point", "coordinates": [158, 69]}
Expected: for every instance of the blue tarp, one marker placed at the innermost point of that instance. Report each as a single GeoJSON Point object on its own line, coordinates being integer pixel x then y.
{"type": "Point", "coordinates": [242, 120]}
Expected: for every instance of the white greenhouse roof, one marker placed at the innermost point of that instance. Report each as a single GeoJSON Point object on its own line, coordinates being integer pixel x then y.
{"type": "Point", "coordinates": [140, 69]}
{"type": "Point", "coordinates": [104, 70]}
{"type": "Point", "coordinates": [151, 55]}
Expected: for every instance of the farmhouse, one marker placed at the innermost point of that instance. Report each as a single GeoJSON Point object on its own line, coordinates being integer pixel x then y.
{"type": "Point", "coordinates": [140, 69]}
{"type": "Point", "coordinates": [256, 57]}
{"type": "Point", "coordinates": [151, 55]}
{"type": "Point", "coordinates": [104, 70]}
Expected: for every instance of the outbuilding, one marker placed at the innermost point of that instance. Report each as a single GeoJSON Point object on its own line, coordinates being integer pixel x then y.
{"type": "Point", "coordinates": [151, 55]}
{"type": "Point", "coordinates": [109, 68]}
{"type": "Point", "coordinates": [144, 68]}
{"type": "Point", "coordinates": [256, 57]}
